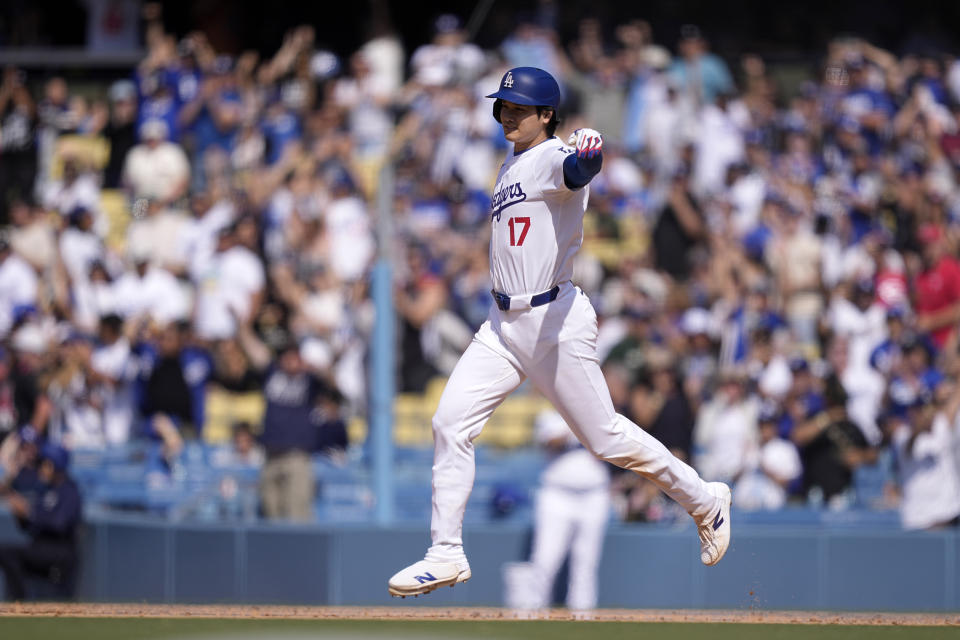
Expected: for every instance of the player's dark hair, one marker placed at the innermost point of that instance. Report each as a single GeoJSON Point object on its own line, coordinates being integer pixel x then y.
{"type": "Point", "coordinates": [554, 120]}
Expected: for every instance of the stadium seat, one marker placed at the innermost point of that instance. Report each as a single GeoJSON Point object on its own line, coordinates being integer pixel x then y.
{"type": "Point", "coordinates": [223, 409]}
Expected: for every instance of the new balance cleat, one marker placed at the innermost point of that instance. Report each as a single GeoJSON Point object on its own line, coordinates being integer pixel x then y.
{"type": "Point", "coordinates": [426, 576]}
{"type": "Point", "coordinates": [714, 530]}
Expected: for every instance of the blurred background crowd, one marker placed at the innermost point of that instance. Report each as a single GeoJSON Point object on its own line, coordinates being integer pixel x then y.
{"type": "Point", "coordinates": [186, 251]}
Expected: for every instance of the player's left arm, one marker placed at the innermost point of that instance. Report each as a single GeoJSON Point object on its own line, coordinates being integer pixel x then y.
{"type": "Point", "coordinates": [584, 163]}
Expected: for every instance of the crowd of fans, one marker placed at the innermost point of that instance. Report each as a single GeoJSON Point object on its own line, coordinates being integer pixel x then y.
{"type": "Point", "coordinates": [774, 267]}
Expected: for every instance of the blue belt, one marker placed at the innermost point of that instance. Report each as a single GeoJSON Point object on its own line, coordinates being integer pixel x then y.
{"type": "Point", "coordinates": [503, 300]}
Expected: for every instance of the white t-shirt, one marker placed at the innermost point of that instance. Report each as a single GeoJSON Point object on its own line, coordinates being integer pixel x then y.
{"type": "Point", "coordinates": [114, 361]}
{"type": "Point", "coordinates": [437, 65]}
{"type": "Point", "coordinates": [719, 144]}
{"type": "Point", "coordinates": [79, 250]}
{"type": "Point", "coordinates": [746, 196]}
{"type": "Point", "coordinates": [198, 237]}
{"type": "Point", "coordinates": [77, 422]}
{"type": "Point", "coordinates": [155, 173]}
{"type": "Point", "coordinates": [864, 329]}
{"type": "Point", "coordinates": [82, 192]}
{"type": "Point", "coordinates": [575, 468]}
{"type": "Point", "coordinates": [931, 486]}
{"type": "Point", "coordinates": [537, 221]}
{"type": "Point", "coordinates": [865, 388]}
{"type": "Point", "coordinates": [350, 240]}
{"type": "Point", "coordinates": [225, 288]}
{"type": "Point", "coordinates": [776, 377]}
{"type": "Point", "coordinates": [758, 488]}
{"type": "Point", "coordinates": [724, 436]}
{"type": "Point", "coordinates": [663, 132]}
{"type": "Point", "coordinates": [36, 241]}
{"type": "Point", "coordinates": [157, 294]}
{"type": "Point", "coordinates": [325, 308]}
{"type": "Point", "coordinates": [91, 301]}
{"type": "Point", "coordinates": [18, 286]}
{"type": "Point", "coordinates": [166, 229]}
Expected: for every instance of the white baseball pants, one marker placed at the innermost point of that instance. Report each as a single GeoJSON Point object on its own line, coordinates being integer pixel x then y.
{"type": "Point", "coordinates": [555, 346]}
{"type": "Point", "coordinates": [574, 521]}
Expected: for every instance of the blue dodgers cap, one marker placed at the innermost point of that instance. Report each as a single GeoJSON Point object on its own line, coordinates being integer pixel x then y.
{"type": "Point", "coordinates": [896, 313]}
{"type": "Point", "coordinates": [56, 454]}
{"type": "Point", "coordinates": [447, 23]}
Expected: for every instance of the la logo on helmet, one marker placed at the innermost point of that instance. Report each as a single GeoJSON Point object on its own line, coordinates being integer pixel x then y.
{"type": "Point", "coordinates": [508, 80]}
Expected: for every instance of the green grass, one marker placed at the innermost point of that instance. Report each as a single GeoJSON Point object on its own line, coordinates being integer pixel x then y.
{"type": "Point", "coordinates": [142, 629]}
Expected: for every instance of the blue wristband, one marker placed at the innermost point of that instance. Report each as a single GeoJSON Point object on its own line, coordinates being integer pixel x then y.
{"type": "Point", "coordinates": [577, 172]}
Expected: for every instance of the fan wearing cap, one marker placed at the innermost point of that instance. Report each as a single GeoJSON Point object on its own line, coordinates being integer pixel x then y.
{"type": "Point", "coordinates": [216, 113]}
{"type": "Point", "coordinates": [30, 354]}
{"type": "Point", "coordinates": [830, 444]}
{"type": "Point", "coordinates": [699, 361]}
{"type": "Point", "coordinates": [302, 416]}
{"type": "Point", "coordinates": [231, 284]}
{"type": "Point", "coordinates": [700, 74]}
{"type": "Point", "coordinates": [50, 519]}
{"type": "Point", "coordinates": [770, 468]}
{"type": "Point", "coordinates": [936, 288]}
{"type": "Point", "coordinates": [80, 246]}
{"type": "Point", "coordinates": [449, 58]}
{"type": "Point", "coordinates": [78, 186]}
{"type": "Point", "coordinates": [121, 130]}
{"type": "Point", "coordinates": [860, 319]}
{"type": "Point", "coordinates": [726, 428]}
{"type": "Point", "coordinates": [928, 474]}
{"type": "Point", "coordinates": [156, 169]}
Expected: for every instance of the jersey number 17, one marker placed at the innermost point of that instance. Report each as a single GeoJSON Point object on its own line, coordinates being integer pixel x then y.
{"type": "Point", "coordinates": [524, 223]}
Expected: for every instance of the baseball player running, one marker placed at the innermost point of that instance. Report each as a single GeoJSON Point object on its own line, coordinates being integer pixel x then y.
{"type": "Point", "coordinates": [544, 328]}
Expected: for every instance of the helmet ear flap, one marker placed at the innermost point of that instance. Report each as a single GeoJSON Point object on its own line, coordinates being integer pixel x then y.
{"type": "Point", "coordinates": [497, 105]}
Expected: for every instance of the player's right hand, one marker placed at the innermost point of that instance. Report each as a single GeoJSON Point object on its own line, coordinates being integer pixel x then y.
{"type": "Point", "coordinates": [588, 142]}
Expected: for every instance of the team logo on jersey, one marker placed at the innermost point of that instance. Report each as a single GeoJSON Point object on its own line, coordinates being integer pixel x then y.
{"type": "Point", "coordinates": [506, 197]}
{"type": "Point", "coordinates": [508, 80]}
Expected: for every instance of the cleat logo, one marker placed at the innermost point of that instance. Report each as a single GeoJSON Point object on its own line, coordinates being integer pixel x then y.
{"type": "Point", "coordinates": [717, 521]}
{"type": "Point", "coordinates": [426, 577]}
{"type": "Point", "coordinates": [508, 80]}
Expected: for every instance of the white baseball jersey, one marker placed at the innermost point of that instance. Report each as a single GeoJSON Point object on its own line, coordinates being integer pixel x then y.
{"type": "Point", "coordinates": [537, 221]}
{"type": "Point", "coordinates": [537, 228]}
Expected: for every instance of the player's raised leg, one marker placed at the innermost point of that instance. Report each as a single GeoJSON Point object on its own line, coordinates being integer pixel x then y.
{"type": "Point", "coordinates": [481, 380]}
{"type": "Point", "coordinates": [569, 375]}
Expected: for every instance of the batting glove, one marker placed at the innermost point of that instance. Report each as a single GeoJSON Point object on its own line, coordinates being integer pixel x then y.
{"type": "Point", "coordinates": [588, 142]}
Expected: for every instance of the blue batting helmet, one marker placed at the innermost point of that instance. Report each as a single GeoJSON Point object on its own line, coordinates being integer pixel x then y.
{"type": "Point", "coordinates": [527, 85]}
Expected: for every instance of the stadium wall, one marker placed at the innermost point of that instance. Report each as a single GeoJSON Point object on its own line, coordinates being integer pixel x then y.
{"type": "Point", "coordinates": [127, 559]}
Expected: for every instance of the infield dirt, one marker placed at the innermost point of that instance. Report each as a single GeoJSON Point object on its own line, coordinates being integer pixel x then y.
{"type": "Point", "coordinates": [469, 613]}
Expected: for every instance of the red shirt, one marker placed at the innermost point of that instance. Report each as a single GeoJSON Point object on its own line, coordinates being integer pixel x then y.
{"type": "Point", "coordinates": [937, 289]}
